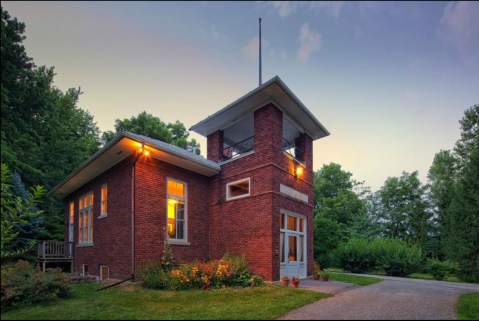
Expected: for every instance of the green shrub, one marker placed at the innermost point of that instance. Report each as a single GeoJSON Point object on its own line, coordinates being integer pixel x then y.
{"type": "Point", "coordinates": [153, 276]}
{"type": "Point", "coordinates": [393, 256]}
{"type": "Point", "coordinates": [25, 285]}
{"type": "Point", "coordinates": [396, 258]}
{"type": "Point", "coordinates": [355, 256]}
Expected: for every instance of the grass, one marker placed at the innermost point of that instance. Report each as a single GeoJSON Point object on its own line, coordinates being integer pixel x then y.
{"type": "Point", "coordinates": [354, 279]}
{"type": "Point", "coordinates": [468, 307]}
{"type": "Point", "coordinates": [423, 276]}
{"type": "Point", "coordinates": [132, 302]}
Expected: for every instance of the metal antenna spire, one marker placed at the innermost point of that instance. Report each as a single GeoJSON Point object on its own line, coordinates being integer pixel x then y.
{"type": "Point", "coordinates": [260, 82]}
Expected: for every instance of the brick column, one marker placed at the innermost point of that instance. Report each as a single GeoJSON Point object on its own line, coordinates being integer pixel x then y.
{"type": "Point", "coordinates": [215, 146]}
{"type": "Point", "coordinates": [305, 143]}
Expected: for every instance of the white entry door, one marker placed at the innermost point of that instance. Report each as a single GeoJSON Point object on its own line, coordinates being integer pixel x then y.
{"type": "Point", "coordinates": [293, 245]}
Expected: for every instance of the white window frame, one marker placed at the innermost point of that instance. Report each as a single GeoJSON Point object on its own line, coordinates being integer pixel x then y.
{"type": "Point", "coordinates": [81, 212]}
{"type": "Point", "coordinates": [184, 199]}
{"type": "Point", "coordinates": [103, 214]}
{"type": "Point", "coordinates": [71, 221]}
{"type": "Point", "coordinates": [229, 198]}
{"type": "Point", "coordinates": [101, 272]}
{"type": "Point", "coordinates": [83, 269]}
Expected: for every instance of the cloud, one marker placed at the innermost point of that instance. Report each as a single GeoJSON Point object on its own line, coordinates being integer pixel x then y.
{"type": "Point", "coordinates": [252, 49]}
{"type": "Point", "coordinates": [283, 54]}
{"type": "Point", "coordinates": [332, 7]}
{"type": "Point", "coordinates": [459, 27]}
{"type": "Point", "coordinates": [310, 41]}
{"type": "Point", "coordinates": [284, 8]}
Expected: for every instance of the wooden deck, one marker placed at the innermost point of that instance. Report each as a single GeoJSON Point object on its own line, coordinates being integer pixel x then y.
{"type": "Point", "coordinates": [55, 252]}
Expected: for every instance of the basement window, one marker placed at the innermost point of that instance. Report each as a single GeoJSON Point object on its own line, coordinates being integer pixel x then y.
{"type": "Point", "coordinates": [104, 272]}
{"type": "Point", "coordinates": [238, 189]}
{"type": "Point", "coordinates": [85, 269]}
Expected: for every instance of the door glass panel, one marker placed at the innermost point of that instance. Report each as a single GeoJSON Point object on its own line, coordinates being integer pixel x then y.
{"type": "Point", "coordinates": [301, 225]}
{"type": "Point", "coordinates": [293, 248]}
{"type": "Point", "coordinates": [292, 222]}
{"type": "Point", "coordinates": [301, 248]}
{"type": "Point", "coordinates": [180, 211]}
{"type": "Point", "coordinates": [282, 248]}
{"type": "Point", "coordinates": [282, 222]}
{"type": "Point", "coordinates": [180, 229]}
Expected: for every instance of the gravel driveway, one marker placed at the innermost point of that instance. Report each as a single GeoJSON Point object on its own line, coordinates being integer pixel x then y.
{"type": "Point", "coordinates": [391, 299]}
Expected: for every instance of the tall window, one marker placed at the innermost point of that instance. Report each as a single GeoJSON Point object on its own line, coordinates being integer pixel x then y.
{"type": "Point", "coordinates": [72, 212]}
{"type": "Point", "coordinates": [104, 200]}
{"type": "Point", "coordinates": [176, 221]}
{"type": "Point", "coordinates": [86, 219]}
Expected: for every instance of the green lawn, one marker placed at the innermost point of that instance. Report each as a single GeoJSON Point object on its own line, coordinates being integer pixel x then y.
{"type": "Point", "coordinates": [468, 307]}
{"type": "Point", "coordinates": [354, 279]}
{"type": "Point", "coordinates": [133, 302]}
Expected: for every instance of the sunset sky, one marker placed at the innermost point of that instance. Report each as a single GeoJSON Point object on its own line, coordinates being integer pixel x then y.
{"type": "Point", "coordinates": [388, 80]}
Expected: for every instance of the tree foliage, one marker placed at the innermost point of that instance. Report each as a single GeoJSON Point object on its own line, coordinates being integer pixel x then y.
{"type": "Point", "coordinates": [16, 210]}
{"type": "Point", "coordinates": [44, 135]}
{"type": "Point", "coordinates": [148, 125]}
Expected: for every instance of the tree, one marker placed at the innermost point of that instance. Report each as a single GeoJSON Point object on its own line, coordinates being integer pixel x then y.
{"type": "Point", "coordinates": [148, 125]}
{"type": "Point", "coordinates": [32, 229]}
{"type": "Point", "coordinates": [15, 210]}
{"type": "Point", "coordinates": [469, 134]}
{"type": "Point", "coordinates": [334, 195]}
{"type": "Point", "coordinates": [405, 210]}
{"type": "Point", "coordinates": [327, 236]}
{"type": "Point", "coordinates": [44, 135]}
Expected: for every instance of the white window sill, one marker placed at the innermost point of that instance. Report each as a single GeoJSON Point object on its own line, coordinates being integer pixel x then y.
{"type": "Point", "coordinates": [103, 216]}
{"type": "Point", "coordinates": [237, 197]}
{"type": "Point", "coordinates": [86, 245]}
{"type": "Point", "coordinates": [181, 243]}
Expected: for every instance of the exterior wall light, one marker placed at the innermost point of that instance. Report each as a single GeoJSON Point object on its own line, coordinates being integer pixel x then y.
{"type": "Point", "coordinates": [147, 153]}
{"type": "Point", "coordinates": [299, 171]}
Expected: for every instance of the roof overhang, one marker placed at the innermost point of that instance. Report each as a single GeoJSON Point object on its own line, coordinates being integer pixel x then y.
{"type": "Point", "coordinates": [120, 148]}
{"type": "Point", "coordinates": [275, 91]}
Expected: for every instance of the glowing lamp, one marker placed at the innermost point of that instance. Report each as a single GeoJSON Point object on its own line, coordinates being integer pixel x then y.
{"type": "Point", "coordinates": [141, 150]}
{"type": "Point", "coordinates": [299, 171]}
{"type": "Point", "coordinates": [147, 153]}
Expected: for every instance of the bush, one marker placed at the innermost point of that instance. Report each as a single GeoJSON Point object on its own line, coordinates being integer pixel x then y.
{"type": "Point", "coordinates": [25, 285]}
{"type": "Point", "coordinates": [393, 256]}
{"type": "Point", "coordinates": [231, 271]}
{"type": "Point", "coordinates": [440, 269]}
{"type": "Point", "coordinates": [355, 256]}
{"type": "Point", "coordinates": [396, 257]}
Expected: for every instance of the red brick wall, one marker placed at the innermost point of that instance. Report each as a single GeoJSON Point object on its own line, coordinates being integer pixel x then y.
{"type": "Point", "coordinates": [215, 146]}
{"type": "Point", "coordinates": [111, 235]}
{"type": "Point", "coordinates": [151, 207]}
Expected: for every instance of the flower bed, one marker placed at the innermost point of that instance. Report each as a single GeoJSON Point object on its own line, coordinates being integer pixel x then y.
{"type": "Point", "coordinates": [230, 271]}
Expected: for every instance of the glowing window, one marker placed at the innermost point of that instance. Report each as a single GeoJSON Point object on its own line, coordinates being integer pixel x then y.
{"type": "Point", "coordinates": [176, 211]}
{"type": "Point", "coordinates": [85, 224]}
{"type": "Point", "coordinates": [104, 200]}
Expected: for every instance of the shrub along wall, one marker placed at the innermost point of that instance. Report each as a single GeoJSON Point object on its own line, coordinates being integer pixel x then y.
{"type": "Point", "coordinates": [393, 256]}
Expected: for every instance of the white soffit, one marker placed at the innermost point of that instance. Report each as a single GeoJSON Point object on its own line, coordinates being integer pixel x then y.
{"type": "Point", "coordinates": [272, 91]}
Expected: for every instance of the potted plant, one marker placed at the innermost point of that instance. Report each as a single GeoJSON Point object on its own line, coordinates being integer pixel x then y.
{"type": "Point", "coordinates": [285, 280]}
{"type": "Point", "coordinates": [316, 271]}
{"type": "Point", "coordinates": [295, 282]}
{"type": "Point", "coordinates": [325, 275]}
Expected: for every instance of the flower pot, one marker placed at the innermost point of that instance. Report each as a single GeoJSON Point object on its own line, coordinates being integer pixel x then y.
{"type": "Point", "coordinates": [295, 284]}
{"type": "Point", "coordinates": [285, 282]}
{"type": "Point", "coordinates": [325, 278]}
{"type": "Point", "coordinates": [316, 277]}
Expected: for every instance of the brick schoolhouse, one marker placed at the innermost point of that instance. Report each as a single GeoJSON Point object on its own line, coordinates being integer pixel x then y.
{"type": "Point", "coordinates": [252, 195]}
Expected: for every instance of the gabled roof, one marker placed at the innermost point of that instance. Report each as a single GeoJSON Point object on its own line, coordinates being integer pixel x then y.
{"type": "Point", "coordinates": [274, 90]}
{"type": "Point", "coordinates": [121, 147]}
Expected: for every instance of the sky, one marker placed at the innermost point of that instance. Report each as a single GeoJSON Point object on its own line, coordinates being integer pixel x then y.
{"type": "Point", "coordinates": [389, 80]}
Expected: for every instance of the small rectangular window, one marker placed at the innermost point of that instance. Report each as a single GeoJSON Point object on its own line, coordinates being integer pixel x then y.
{"type": "Point", "coordinates": [104, 272]}
{"type": "Point", "coordinates": [238, 189]}
{"type": "Point", "coordinates": [104, 200]}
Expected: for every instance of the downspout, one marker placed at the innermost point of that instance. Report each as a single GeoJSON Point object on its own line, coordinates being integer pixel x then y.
{"type": "Point", "coordinates": [133, 211]}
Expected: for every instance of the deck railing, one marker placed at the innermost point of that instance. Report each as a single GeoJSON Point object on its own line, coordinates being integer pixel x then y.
{"type": "Point", "coordinates": [237, 149]}
{"type": "Point", "coordinates": [55, 250]}
{"type": "Point", "coordinates": [292, 150]}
